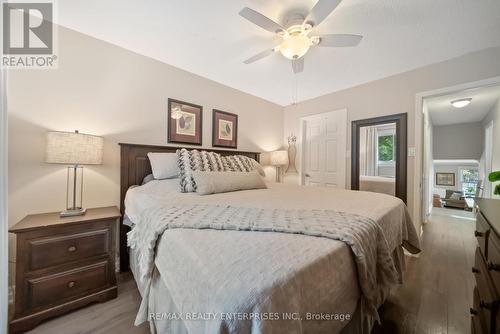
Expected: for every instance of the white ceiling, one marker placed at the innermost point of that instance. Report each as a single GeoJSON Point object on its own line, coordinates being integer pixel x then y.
{"type": "Point", "coordinates": [210, 39]}
{"type": "Point", "coordinates": [443, 113]}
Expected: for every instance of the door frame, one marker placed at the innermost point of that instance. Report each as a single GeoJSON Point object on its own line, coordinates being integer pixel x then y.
{"type": "Point", "coordinates": [419, 196]}
{"type": "Point", "coordinates": [302, 136]}
{"type": "Point", "coordinates": [401, 121]}
{"type": "Point", "coordinates": [4, 264]}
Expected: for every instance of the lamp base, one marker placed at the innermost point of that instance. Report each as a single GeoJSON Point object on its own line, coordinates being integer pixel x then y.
{"type": "Point", "coordinates": [73, 212]}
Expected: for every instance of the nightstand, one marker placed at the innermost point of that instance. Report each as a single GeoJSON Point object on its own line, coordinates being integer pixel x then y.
{"type": "Point", "coordinates": [63, 264]}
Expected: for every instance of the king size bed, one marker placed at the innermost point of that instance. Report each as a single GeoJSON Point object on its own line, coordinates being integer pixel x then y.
{"type": "Point", "coordinates": [282, 259]}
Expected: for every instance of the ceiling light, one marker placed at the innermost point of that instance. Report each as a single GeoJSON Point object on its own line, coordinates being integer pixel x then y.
{"type": "Point", "coordinates": [461, 103]}
{"type": "Point", "coordinates": [295, 46]}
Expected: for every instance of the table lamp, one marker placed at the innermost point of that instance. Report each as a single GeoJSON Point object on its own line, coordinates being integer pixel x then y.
{"type": "Point", "coordinates": [278, 159]}
{"type": "Point", "coordinates": [74, 149]}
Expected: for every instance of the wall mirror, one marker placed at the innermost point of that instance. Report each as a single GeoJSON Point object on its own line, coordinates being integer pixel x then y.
{"type": "Point", "coordinates": [378, 161]}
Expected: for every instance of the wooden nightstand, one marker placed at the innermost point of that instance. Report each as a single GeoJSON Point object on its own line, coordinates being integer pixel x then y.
{"type": "Point", "coordinates": [63, 264]}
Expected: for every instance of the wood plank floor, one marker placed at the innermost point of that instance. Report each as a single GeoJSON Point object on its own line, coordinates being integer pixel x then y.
{"type": "Point", "coordinates": [435, 298]}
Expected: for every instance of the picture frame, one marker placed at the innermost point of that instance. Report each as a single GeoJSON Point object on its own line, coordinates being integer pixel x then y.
{"type": "Point", "coordinates": [185, 122]}
{"type": "Point", "coordinates": [224, 129]}
{"type": "Point", "coordinates": [445, 179]}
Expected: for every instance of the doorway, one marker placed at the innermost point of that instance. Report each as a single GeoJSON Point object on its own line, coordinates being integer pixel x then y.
{"type": "Point", "coordinates": [323, 158]}
{"type": "Point", "coordinates": [460, 125]}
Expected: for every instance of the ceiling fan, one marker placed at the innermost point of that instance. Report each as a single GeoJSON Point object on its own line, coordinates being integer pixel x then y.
{"type": "Point", "coordinates": [297, 34]}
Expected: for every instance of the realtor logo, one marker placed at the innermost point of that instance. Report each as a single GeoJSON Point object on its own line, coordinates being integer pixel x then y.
{"type": "Point", "coordinates": [28, 35]}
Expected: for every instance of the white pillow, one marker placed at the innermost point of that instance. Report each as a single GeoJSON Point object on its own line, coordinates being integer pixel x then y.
{"type": "Point", "coordinates": [220, 182]}
{"type": "Point", "coordinates": [164, 165]}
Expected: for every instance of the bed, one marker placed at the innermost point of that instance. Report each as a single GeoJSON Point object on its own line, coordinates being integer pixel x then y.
{"type": "Point", "coordinates": [261, 274]}
{"type": "Point", "coordinates": [378, 184]}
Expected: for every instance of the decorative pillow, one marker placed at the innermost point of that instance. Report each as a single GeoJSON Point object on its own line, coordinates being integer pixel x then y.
{"type": "Point", "coordinates": [456, 196]}
{"type": "Point", "coordinates": [220, 182]}
{"type": "Point", "coordinates": [164, 165]}
{"type": "Point", "coordinates": [258, 167]}
{"type": "Point", "coordinates": [194, 160]}
{"type": "Point", "coordinates": [241, 163]}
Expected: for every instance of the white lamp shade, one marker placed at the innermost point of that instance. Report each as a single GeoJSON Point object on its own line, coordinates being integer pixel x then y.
{"type": "Point", "coordinates": [278, 158]}
{"type": "Point", "coordinates": [73, 148]}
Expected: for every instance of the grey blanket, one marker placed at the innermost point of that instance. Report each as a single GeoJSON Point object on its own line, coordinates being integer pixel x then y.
{"type": "Point", "coordinates": [376, 270]}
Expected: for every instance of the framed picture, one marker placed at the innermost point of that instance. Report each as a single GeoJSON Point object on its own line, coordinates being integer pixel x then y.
{"type": "Point", "coordinates": [224, 129]}
{"type": "Point", "coordinates": [445, 179]}
{"type": "Point", "coordinates": [184, 122]}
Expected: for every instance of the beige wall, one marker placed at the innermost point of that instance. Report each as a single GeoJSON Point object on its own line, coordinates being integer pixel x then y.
{"type": "Point", "coordinates": [108, 91]}
{"type": "Point", "coordinates": [397, 94]}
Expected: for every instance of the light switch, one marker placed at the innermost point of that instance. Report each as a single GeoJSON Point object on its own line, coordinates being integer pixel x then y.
{"type": "Point", "coordinates": [412, 151]}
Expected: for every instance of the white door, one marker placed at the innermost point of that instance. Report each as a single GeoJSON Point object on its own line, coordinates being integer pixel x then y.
{"type": "Point", "coordinates": [324, 149]}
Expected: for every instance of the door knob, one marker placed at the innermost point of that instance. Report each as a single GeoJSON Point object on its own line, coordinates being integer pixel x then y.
{"type": "Point", "coordinates": [307, 175]}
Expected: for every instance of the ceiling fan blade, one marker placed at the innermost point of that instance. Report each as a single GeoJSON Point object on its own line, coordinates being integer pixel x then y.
{"type": "Point", "coordinates": [298, 65]}
{"type": "Point", "coordinates": [260, 55]}
{"type": "Point", "coordinates": [320, 11]}
{"type": "Point", "coordinates": [339, 40]}
{"type": "Point", "coordinates": [260, 20]}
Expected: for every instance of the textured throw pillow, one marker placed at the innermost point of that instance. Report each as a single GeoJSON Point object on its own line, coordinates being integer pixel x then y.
{"type": "Point", "coordinates": [164, 165]}
{"type": "Point", "coordinates": [258, 167]}
{"type": "Point", "coordinates": [195, 160]}
{"type": "Point", "coordinates": [456, 196]}
{"type": "Point", "coordinates": [220, 182]}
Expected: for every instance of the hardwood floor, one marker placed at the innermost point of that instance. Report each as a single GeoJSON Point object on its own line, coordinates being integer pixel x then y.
{"type": "Point", "coordinates": [437, 292]}
{"type": "Point", "coordinates": [435, 298]}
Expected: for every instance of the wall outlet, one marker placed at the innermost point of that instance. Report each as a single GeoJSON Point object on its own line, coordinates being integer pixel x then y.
{"type": "Point", "coordinates": [412, 151]}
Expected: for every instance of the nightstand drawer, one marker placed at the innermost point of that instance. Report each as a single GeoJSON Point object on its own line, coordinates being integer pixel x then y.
{"type": "Point", "coordinates": [58, 287]}
{"type": "Point", "coordinates": [51, 251]}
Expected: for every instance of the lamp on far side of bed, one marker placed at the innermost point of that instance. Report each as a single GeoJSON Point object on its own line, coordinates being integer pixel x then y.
{"type": "Point", "coordinates": [278, 159]}
{"type": "Point", "coordinates": [74, 149]}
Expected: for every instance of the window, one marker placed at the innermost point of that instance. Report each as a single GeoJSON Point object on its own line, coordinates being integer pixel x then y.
{"type": "Point", "coordinates": [469, 177]}
{"type": "Point", "coordinates": [386, 148]}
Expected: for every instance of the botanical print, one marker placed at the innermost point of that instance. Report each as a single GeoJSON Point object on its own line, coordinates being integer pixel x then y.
{"type": "Point", "coordinates": [186, 124]}
{"type": "Point", "coordinates": [225, 130]}
{"type": "Point", "coordinates": [445, 179]}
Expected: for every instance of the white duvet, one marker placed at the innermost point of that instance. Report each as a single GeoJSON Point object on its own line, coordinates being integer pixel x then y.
{"type": "Point", "coordinates": [299, 273]}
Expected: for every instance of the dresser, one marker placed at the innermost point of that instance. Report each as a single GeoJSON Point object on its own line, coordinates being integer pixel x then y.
{"type": "Point", "coordinates": [63, 264]}
{"type": "Point", "coordinates": [486, 299]}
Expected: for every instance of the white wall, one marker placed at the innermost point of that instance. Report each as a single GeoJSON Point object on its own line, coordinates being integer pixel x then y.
{"type": "Point", "coordinates": [397, 94]}
{"type": "Point", "coordinates": [494, 115]}
{"type": "Point", "coordinates": [3, 204]}
{"type": "Point", "coordinates": [458, 141]}
{"type": "Point", "coordinates": [105, 90]}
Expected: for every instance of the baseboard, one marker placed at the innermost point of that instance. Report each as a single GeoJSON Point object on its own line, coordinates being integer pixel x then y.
{"type": "Point", "coordinates": [12, 290]}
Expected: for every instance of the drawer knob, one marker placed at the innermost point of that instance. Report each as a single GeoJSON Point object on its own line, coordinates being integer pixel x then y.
{"type": "Point", "coordinates": [71, 249]}
{"type": "Point", "coordinates": [473, 312]}
{"type": "Point", "coordinates": [485, 305]}
{"type": "Point", "coordinates": [475, 270]}
{"type": "Point", "coordinates": [478, 234]}
{"type": "Point", "coordinates": [71, 284]}
{"type": "Point", "coordinates": [492, 266]}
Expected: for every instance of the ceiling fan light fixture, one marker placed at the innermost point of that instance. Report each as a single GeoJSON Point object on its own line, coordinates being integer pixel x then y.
{"type": "Point", "coordinates": [461, 103]}
{"type": "Point", "coordinates": [295, 46]}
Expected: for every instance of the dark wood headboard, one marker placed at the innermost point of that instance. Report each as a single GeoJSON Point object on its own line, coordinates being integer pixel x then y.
{"type": "Point", "coordinates": [134, 166]}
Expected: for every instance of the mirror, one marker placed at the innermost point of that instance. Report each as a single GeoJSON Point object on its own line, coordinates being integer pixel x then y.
{"type": "Point", "coordinates": [379, 155]}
